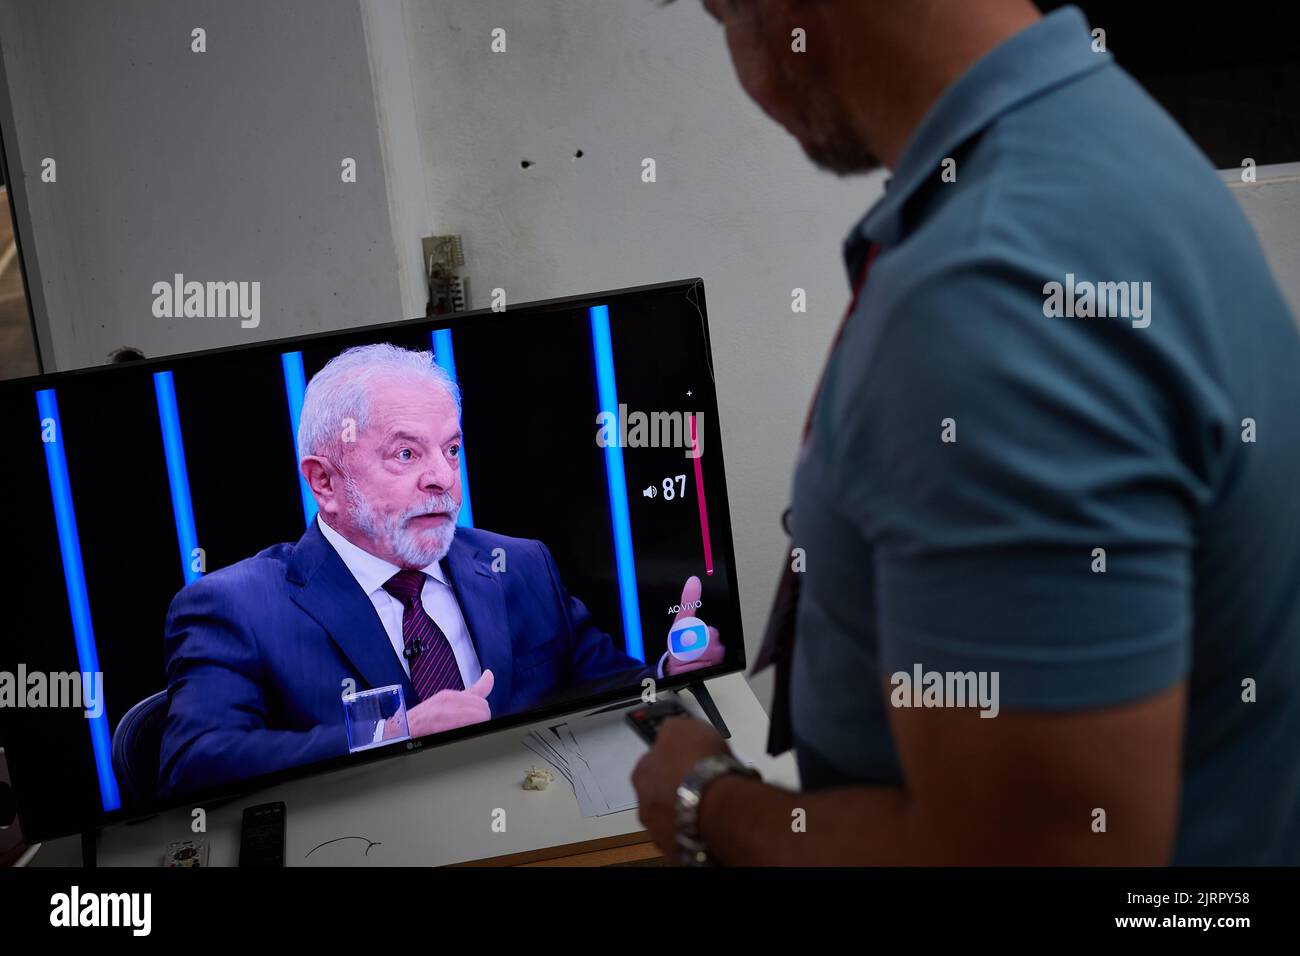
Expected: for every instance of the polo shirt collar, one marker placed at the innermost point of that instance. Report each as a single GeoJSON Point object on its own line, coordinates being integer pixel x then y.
{"type": "Point", "coordinates": [1049, 52]}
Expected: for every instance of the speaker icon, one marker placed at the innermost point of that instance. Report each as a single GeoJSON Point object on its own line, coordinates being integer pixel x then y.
{"type": "Point", "coordinates": [649, 491]}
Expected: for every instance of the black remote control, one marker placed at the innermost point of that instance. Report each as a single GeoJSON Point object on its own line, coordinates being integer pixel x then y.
{"type": "Point", "coordinates": [646, 720]}
{"type": "Point", "coordinates": [261, 840]}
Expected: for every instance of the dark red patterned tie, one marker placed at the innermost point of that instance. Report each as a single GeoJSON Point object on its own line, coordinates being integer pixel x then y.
{"type": "Point", "coordinates": [433, 664]}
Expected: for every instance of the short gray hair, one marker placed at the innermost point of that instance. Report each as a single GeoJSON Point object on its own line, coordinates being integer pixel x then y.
{"type": "Point", "coordinates": [341, 391]}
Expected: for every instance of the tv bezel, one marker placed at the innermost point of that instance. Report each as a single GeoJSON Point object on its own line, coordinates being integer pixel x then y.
{"type": "Point", "coordinates": [720, 532]}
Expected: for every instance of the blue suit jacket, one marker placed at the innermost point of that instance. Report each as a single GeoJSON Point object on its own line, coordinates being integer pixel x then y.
{"type": "Point", "coordinates": [257, 652]}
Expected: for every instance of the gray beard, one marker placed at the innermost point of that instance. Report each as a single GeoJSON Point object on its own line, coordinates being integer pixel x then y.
{"type": "Point", "coordinates": [844, 157]}
{"type": "Point", "coordinates": [829, 140]}
{"type": "Point", "coordinates": [391, 531]}
{"type": "Point", "coordinates": [833, 145]}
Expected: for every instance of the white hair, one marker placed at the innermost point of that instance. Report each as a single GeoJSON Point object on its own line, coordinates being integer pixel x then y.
{"type": "Point", "coordinates": [341, 391]}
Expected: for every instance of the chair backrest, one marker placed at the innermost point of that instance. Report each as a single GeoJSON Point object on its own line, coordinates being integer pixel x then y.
{"type": "Point", "coordinates": [136, 744]}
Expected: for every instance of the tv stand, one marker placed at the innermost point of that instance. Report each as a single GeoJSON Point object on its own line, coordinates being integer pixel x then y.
{"type": "Point", "coordinates": [700, 691]}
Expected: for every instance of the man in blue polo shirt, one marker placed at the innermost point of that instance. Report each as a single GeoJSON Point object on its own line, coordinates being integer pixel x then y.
{"type": "Point", "coordinates": [1049, 609]}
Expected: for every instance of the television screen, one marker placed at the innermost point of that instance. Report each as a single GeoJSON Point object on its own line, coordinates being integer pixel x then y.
{"type": "Point", "coordinates": [238, 566]}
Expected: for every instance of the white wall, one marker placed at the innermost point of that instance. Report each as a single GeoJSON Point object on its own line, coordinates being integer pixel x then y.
{"type": "Point", "coordinates": [1272, 204]}
{"type": "Point", "coordinates": [223, 165]}
{"type": "Point", "coordinates": [736, 202]}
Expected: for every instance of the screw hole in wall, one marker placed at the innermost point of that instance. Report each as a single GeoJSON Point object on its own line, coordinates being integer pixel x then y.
{"type": "Point", "coordinates": [125, 353]}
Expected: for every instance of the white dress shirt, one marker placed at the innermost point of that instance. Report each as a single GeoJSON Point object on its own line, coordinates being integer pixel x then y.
{"type": "Point", "coordinates": [437, 597]}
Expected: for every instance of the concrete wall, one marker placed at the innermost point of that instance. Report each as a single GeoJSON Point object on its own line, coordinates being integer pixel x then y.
{"type": "Point", "coordinates": [222, 165]}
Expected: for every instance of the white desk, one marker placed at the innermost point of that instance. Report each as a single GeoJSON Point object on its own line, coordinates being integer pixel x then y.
{"type": "Point", "coordinates": [429, 808]}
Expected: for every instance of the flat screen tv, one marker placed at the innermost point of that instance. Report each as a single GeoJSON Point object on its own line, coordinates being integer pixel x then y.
{"type": "Point", "coordinates": [244, 565]}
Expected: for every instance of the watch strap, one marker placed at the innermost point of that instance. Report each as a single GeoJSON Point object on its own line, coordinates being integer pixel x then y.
{"type": "Point", "coordinates": [691, 850]}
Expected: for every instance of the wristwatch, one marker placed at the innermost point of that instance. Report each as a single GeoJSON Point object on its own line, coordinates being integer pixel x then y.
{"type": "Point", "coordinates": [691, 850]}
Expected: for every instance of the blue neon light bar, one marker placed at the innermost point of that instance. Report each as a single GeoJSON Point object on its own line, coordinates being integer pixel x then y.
{"type": "Point", "coordinates": [177, 474]}
{"type": "Point", "coordinates": [295, 387]}
{"type": "Point", "coordinates": [74, 579]}
{"type": "Point", "coordinates": [607, 397]}
{"type": "Point", "coordinates": [445, 356]}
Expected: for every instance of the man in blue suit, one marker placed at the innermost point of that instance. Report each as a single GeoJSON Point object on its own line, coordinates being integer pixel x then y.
{"type": "Point", "coordinates": [382, 589]}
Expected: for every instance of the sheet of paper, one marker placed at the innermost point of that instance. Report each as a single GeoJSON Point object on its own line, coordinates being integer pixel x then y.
{"type": "Point", "coordinates": [610, 749]}
{"type": "Point", "coordinates": [549, 740]}
{"type": "Point", "coordinates": [595, 754]}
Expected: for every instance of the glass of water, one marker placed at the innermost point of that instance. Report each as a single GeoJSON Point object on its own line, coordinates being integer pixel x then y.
{"type": "Point", "coordinates": [375, 717]}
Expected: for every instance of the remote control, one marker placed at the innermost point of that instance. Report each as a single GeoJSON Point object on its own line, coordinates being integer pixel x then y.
{"type": "Point", "coordinates": [261, 842]}
{"type": "Point", "coordinates": [646, 720]}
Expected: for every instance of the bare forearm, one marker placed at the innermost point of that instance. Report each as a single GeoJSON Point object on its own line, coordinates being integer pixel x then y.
{"type": "Point", "coordinates": [1028, 789]}
{"type": "Point", "coordinates": [748, 823]}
